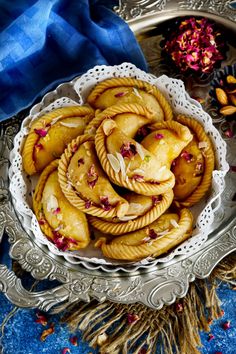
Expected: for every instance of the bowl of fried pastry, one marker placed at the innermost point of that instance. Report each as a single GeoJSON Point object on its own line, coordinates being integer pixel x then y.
{"type": "Point", "coordinates": [130, 172]}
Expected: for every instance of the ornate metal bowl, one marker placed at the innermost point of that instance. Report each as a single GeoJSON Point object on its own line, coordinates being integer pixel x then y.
{"type": "Point", "coordinates": [155, 286]}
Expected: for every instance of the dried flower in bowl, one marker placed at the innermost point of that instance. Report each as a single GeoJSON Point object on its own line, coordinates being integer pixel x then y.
{"type": "Point", "coordinates": [195, 45]}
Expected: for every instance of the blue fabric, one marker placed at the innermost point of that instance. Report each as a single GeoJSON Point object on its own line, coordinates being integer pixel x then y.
{"type": "Point", "coordinates": [45, 42]}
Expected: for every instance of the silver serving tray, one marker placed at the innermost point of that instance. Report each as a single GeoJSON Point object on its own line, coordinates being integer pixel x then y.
{"type": "Point", "coordinates": [157, 285]}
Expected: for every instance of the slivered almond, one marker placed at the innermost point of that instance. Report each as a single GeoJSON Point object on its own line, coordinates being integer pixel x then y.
{"type": "Point", "coordinates": [128, 217]}
{"type": "Point", "coordinates": [140, 151]}
{"type": "Point", "coordinates": [114, 162]}
{"type": "Point", "coordinates": [228, 110]}
{"type": "Point", "coordinates": [71, 124]}
{"type": "Point", "coordinates": [108, 126]}
{"type": "Point", "coordinates": [174, 223]}
{"type": "Point", "coordinates": [122, 164]}
{"type": "Point", "coordinates": [202, 144]}
{"type": "Point", "coordinates": [52, 203]}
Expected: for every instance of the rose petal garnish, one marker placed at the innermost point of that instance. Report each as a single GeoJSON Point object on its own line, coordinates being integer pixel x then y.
{"type": "Point", "coordinates": [41, 319]}
{"type": "Point", "coordinates": [159, 136]}
{"type": "Point", "coordinates": [66, 350]}
{"type": "Point", "coordinates": [132, 318]}
{"type": "Point", "coordinates": [141, 133]}
{"type": "Point", "coordinates": [88, 204]}
{"type": "Point", "coordinates": [74, 340]}
{"type": "Point", "coordinates": [156, 199]}
{"type": "Point", "coordinates": [226, 325]}
{"type": "Point", "coordinates": [179, 307]}
{"type": "Point", "coordinates": [105, 203]}
{"type": "Point", "coordinates": [114, 162]}
{"type": "Point", "coordinates": [210, 337]}
{"type": "Point", "coordinates": [92, 176]}
{"type": "Point", "coordinates": [128, 150]}
{"type": "Point", "coordinates": [74, 148]}
{"type": "Point", "coordinates": [120, 94]}
{"type": "Point", "coordinates": [187, 156]}
{"type": "Point", "coordinates": [199, 166]}
{"type": "Point", "coordinates": [152, 234]}
{"type": "Point", "coordinates": [42, 221]}
{"type": "Point", "coordinates": [47, 332]}
{"type": "Point", "coordinates": [39, 146]}
{"type": "Point", "coordinates": [41, 132]}
{"type": "Point", "coordinates": [56, 211]}
{"type": "Point", "coordinates": [80, 162]}
{"type": "Point", "coordinates": [229, 133]}
{"type": "Point", "coordinates": [138, 178]}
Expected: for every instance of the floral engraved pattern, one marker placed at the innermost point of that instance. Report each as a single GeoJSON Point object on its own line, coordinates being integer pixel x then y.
{"type": "Point", "coordinates": [135, 8]}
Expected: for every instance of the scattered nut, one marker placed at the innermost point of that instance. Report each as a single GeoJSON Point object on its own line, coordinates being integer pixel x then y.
{"type": "Point", "coordinates": [231, 79]}
{"type": "Point", "coordinates": [228, 110]}
{"type": "Point", "coordinates": [221, 96]}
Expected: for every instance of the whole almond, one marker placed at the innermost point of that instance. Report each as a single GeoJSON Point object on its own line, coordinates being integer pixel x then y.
{"type": "Point", "coordinates": [221, 96]}
{"type": "Point", "coordinates": [228, 110]}
{"type": "Point", "coordinates": [233, 99]}
{"type": "Point", "coordinates": [231, 79]}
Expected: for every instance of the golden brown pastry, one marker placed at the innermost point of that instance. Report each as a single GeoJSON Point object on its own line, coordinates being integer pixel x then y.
{"type": "Point", "coordinates": [129, 117]}
{"type": "Point", "coordinates": [84, 183]}
{"type": "Point", "coordinates": [167, 140]}
{"type": "Point", "coordinates": [157, 238]}
{"type": "Point", "coordinates": [50, 133]}
{"type": "Point", "coordinates": [62, 223]}
{"type": "Point", "coordinates": [128, 90]}
{"type": "Point", "coordinates": [143, 210]}
{"type": "Point", "coordinates": [193, 168]}
{"type": "Point", "coordinates": [129, 164]}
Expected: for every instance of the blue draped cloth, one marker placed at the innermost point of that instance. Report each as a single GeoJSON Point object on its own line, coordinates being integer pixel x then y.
{"type": "Point", "coordinates": [46, 42]}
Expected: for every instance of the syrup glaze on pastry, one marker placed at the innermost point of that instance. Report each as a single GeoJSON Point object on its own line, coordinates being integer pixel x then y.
{"type": "Point", "coordinates": [128, 90]}
{"type": "Point", "coordinates": [84, 182]}
{"type": "Point", "coordinates": [157, 238]}
{"type": "Point", "coordinates": [194, 166]}
{"type": "Point", "coordinates": [65, 225]}
{"type": "Point", "coordinates": [140, 171]}
{"type": "Point", "coordinates": [50, 134]}
{"type": "Point", "coordinates": [129, 117]}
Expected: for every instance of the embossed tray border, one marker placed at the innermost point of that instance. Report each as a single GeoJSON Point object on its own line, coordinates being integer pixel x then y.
{"type": "Point", "coordinates": [154, 287]}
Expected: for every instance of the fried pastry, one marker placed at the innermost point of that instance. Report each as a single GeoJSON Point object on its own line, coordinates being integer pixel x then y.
{"type": "Point", "coordinates": [142, 211]}
{"type": "Point", "coordinates": [129, 117]}
{"type": "Point", "coordinates": [50, 133]}
{"type": "Point", "coordinates": [167, 140]}
{"type": "Point", "coordinates": [65, 225]}
{"type": "Point", "coordinates": [129, 164]}
{"type": "Point", "coordinates": [157, 238]}
{"type": "Point", "coordinates": [193, 168]}
{"type": "Point", "coordinates": [128, 90]}
{"type": "Point", "coordinates": [85, 184]}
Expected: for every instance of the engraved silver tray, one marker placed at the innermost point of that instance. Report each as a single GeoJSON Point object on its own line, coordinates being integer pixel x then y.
{"type": "Point", "coordinates": [155, 286]}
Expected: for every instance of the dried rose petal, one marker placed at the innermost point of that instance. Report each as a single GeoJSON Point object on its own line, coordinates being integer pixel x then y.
{"type": "Point", "coordinates": [131, 318]}
{"type": "Point", "coordinates": [105, 203]}
{"type": "Point", "coordinates": [41, 132]}
{"type": "Point", "coordinates": [141, 133]}
{"type": "Point", "coordinates": [138, 178]}
{"type": "Point", "coordinates": [210, 337]}
{"type": "Point", "coordinates": [47, 332]}
{"type": "Point", "coordinates": [128, 150]}
{"type": "Point", "coordinates": [179, 307]}
{"type": "Point", "coordinates": [120, 94]}
{"type": "Point", "coordinates": [39, 146]}
{"type": "Point", "coordinates": [152, 234]}
{"type": "Point", "coordinates": [187, 156]}
{"type": "Point", "coordinates": [173, 164]}
{"type": "Point", "coordinates": [226, 325]}
{"type": "Point", "coordinates": [56, 211]}
{"type": "Point", "coordinates": [156, 199]}
{"type": "Point", "coordinates": [229, 133]}
{"type": "Point", "coordinates": [74, 148]}
{"type": "Point", "coordinates": [41, 319]}
{"type": "Point", "coordinates": [195, 45]}
{"type": "Point", "coordinates": [159, 136]}
{"type": "Point", "coordinates": [92, 176]}
{"type": "Point", "coordinates": [80, 162]}
{"type": "Point", "coordinates": [65, 350]}
{"type": "Point", "coordinates": [222, 312]}
{"type": "Point", "coordinates": [74, 340]}
{"type": "Point", "coordinates": [88, 204]}
{"type": "Point", "coordinates": [42, 222]}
